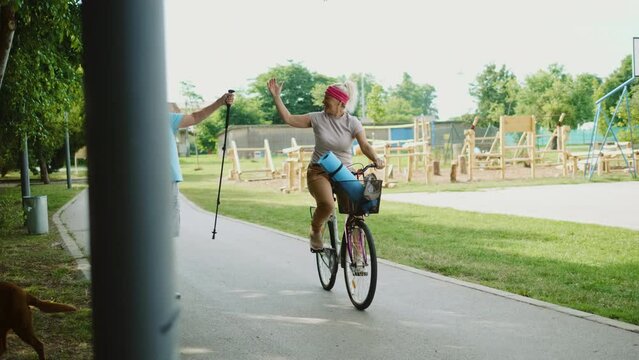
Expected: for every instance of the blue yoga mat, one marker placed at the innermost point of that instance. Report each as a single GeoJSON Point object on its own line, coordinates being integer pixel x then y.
{"type": "Point", "coordinates": [331, 164]}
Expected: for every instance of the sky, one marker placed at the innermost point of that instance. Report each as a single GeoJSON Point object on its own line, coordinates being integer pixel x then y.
{"type": "Point", "coordinates": [220, 45]}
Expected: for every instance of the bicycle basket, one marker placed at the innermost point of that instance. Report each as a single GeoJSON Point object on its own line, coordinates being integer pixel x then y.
{"type": "Point", "coordinates": [368, 202]}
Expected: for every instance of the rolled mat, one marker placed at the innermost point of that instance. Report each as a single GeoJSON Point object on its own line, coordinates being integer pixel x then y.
{"type": "Point", "coordinates": [341, 175]}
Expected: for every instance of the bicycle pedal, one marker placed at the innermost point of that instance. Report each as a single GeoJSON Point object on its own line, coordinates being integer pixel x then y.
{"type": "Point", "coordinates": [329, 251]}
{"type": "Point", "coordinates": [359, 270]}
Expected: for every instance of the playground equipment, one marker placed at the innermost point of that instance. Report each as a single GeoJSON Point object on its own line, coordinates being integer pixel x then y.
{"type": "Point", "coordinates": [525, 150]}
{"type": "Point", "coordinates": [602, 154]}
{"type": "Point", "coordinates": [266, 173]}
{"type": "Point", "coordinates": [556, 144]}
{"type": "Point", "coordinates": [498, 155]}
{"type": "Point", "coordinates": [295, 166]}
{"type": "Point", "coordinates": [416, 152]}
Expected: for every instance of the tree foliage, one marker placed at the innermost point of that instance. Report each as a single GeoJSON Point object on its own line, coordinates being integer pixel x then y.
{"type": "Point", "coordinates": [419, 98]}
{"type": "Point", "coordinates": [297, 93]}
{"type": "Point", "coordinates": [402, 103]}
{"type": "Point", "coordinates": [616, 78]}
{"type": "Point", "coordinates": [496, 92]}
{"type": "Point", "coordinates": [43, 80]}
{"type": "Point", "coordinates": [244, 111]}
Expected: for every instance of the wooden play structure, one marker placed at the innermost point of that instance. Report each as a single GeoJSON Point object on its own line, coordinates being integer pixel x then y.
{"type": "Point", "coordinates": [610, 156]}
{"type": "Point", "coordinates": [417, 153]}
{"type": "Point", "coordinates": [525, 151]}
{"type": "Point", "coordinates": [266, 173]}
{"type": "Point", "coordinates": [497, 156]}
{"type": "Point", "coordinates": [557, 145]}
{"type": "Point", "coordinates": [298, 158]}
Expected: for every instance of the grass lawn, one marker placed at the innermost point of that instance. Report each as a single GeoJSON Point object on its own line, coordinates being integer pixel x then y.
{"type": "Point", "coordinates": [586, 267]}
{"type": "Point", "coordinates": [41, 265]}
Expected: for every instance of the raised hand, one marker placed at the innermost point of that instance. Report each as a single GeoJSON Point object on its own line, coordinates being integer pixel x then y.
{"type": "Point", "coordinates": [274, 88]}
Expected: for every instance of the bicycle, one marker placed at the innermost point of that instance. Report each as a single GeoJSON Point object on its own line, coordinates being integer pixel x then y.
{"type": "Point", "coordinates": [356, 250]}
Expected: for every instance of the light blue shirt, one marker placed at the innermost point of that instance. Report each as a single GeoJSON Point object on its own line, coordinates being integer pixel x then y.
{"type": "Point", "coordinates": [174, 125]}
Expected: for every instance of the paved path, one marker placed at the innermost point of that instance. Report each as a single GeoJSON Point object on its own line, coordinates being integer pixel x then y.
{"type": "Point", "coordinates": [610, 204]}
{"type": "Point", "coordinates": [253, 293]}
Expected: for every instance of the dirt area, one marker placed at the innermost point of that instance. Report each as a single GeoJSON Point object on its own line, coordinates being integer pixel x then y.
{"type": "Point", "coordinates": [479, 175]}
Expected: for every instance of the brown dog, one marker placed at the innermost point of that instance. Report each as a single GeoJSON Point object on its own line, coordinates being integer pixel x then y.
{"type": "Point", "coordinates": [15, 314]}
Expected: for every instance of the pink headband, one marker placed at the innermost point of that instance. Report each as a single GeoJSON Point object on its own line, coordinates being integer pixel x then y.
{"type": "Point", "coordinates": [337, 93]}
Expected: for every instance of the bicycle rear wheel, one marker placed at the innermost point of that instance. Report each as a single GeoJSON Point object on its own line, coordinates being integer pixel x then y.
{"type": "Point", "coordinates": [327, 259]}
{"type": "Point", "coordinates": [360, 264]}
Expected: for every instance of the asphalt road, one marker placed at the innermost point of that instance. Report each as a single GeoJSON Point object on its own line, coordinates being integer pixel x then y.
{"type": "Point", "coordinates": [253, 293]}
{"type": "Point", "coordinates": [609, 204]}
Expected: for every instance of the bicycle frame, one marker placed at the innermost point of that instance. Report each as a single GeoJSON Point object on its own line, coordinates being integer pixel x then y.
{"type": "Point", "coordinates": [353, 248]}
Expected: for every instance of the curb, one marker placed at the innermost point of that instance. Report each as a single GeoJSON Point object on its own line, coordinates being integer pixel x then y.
{"type": "Point", "coordinates": [70, 244]}
{"type": "Point", "coordinates": [485, 289]}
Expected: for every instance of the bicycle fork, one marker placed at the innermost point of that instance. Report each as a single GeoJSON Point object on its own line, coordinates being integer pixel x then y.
{"type": "Point", "coordinates": [355, 241]}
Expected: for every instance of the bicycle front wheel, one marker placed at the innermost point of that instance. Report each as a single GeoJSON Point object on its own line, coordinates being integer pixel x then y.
{"type": "Point", "coordinates": [327, 259]}
{"type": "Point", "coordinates": [359, 261]}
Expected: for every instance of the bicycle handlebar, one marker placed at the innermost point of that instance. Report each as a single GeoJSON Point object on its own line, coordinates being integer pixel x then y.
{"type": "Point", "coordinates": [363, 170]}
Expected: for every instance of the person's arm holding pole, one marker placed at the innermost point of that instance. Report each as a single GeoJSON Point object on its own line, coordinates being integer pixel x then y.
{"type": "Point", "coordinates": [198, 116]}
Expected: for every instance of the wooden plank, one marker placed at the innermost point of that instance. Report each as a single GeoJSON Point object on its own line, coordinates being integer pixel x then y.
{"type": "Point", "coordinates": [517, 123]}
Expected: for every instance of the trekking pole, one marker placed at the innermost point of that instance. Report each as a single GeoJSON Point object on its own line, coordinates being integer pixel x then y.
{"type": "Point", "coordinates": [219, 188]}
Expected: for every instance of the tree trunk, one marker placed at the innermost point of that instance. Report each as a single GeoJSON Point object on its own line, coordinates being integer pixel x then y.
{"type": "Point", "coordinates": [7, 29]}
{"type": "Point", "coordinates": [44, 171]}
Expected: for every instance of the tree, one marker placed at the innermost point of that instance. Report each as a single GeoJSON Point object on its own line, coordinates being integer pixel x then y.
{"type": "Point", "coordinates": [420, 98]}
{"type": "Point", "coordinates": [616, 78]}
{"type": "Point", "coordinates": [245, 111]}
{"type": "Point", "coordinates": [7, 29]}
{"type": "Point", "coordinates": [375, 103]}
{"type": "Point", "coordinates": [43, 77]}
{"type": "Point", "coordinates": [546, 94]}
{"type": "Point", "coordinates": [192, 100]}
{"type": "Point", "coordinates": [549, 93]}
{"type": "Point", "coordinates": [496, 92]}
{"type": "Point", "coordinates": [299, 83]}
{"type": "Point", "coordinates": [583, 97]}
{"type": "Point", "coordinates": [365, 84]}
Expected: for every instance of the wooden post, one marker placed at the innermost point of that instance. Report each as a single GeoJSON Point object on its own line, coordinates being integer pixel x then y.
{"type": "Point", "coordinates": [269, 158]}
{"type": "Point", "coordinates": [502, 150]}
{"type": "Point", "coordinates": [436, 168]}
{"type": "Point", "coordinates": [470, 165]}
{"type": "Point", "coordinates": [411, 162]}
{"type": "Point", "coordinates": [302, 170]}
{"type": "Point", "coordinates": [463, 165]}
{"type": "Point", "coordinates": [236, 170]}
{"type": "Point", "coordinates": [532, 139]}
{"type": "Point", "coordinates": [387, 159]}
{"type": "Point", "coordinates": [453, 172]}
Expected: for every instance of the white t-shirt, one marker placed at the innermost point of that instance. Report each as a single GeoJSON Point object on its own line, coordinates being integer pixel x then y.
{"type": "Point", "coordinates": [334, 134]}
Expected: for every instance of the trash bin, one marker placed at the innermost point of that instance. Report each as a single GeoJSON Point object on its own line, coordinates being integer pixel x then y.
{"type": "Point", "coordinates": [35, 207]}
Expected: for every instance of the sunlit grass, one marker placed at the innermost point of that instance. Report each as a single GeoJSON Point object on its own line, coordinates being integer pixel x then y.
{"type": "Point", "coordinates": [42, 265]}
{"type": "Point", "coordinates": [587, 267]}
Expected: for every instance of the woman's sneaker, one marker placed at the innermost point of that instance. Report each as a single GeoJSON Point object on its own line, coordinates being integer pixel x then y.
{"type": "Point", "coordinates": [317, 244]}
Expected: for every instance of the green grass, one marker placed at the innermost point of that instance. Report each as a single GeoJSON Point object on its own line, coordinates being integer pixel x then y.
{"type": "Point", "coordinates": [41, 265]}
{"type": "Point", "coordinates": [586, 267]}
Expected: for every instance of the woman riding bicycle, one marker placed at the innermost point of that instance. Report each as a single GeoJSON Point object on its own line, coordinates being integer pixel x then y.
{"type": "Point", "coordinates": [334, 129]}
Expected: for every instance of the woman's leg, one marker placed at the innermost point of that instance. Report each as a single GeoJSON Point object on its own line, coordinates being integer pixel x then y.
{"type": "Point", "coordinates": [320, 188]}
